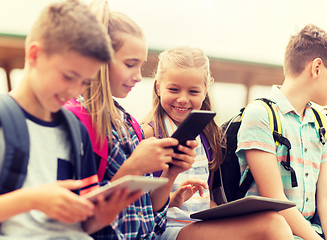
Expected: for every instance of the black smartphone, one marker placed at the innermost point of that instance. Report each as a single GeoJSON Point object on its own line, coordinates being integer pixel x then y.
{"type": "Point", "coordinates": [192, 126]}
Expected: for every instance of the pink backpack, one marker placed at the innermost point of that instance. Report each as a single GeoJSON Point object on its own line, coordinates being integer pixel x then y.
{"type": "Point", "coordinates": [101, 150]}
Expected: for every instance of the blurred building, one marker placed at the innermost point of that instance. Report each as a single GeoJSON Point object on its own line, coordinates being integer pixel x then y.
{"type": "Point", "coordinates": [237, 75]}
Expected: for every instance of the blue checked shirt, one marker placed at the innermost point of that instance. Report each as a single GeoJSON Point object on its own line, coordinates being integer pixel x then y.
{"type": "Point", "coordinates": [137, 221]}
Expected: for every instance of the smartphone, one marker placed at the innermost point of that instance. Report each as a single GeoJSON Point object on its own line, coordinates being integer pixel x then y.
{"type": "Point", "coordinates": [192, 126]}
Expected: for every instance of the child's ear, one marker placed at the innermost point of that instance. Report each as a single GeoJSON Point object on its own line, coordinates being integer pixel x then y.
{"type": "Point", "coordinates": [32, 52]}
{"type": "Point", "coordinates": [317, 64]}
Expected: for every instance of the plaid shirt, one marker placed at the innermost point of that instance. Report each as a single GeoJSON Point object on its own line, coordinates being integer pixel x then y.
{"type": "Point", "coordinates": [307, 153]}
{"type": "Point", "coordinates": [137, 221]}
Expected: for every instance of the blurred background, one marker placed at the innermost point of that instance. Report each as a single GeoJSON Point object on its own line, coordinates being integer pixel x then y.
{"type": "Point", "coordinates": [245, 41]}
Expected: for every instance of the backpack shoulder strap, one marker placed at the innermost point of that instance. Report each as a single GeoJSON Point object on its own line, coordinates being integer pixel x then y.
{"type": "Point", "coordinates": [320, 122]}
{"type": "Point", "coordinates": [76, 137]}
{"type": "Point", "coordinates": [14, 167]}
{"type": "Point", "coordinates": [136, 127]}
{"type": "Point", "coordinates": [100, 149]}
{"type": "Point", "coordinates": [208, 151]}
{"type": "Point", "coordinates": [274, 120]}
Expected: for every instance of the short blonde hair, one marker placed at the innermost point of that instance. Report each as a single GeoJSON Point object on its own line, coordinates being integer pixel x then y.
{"type": "Point", "coordinates": [70, 26]}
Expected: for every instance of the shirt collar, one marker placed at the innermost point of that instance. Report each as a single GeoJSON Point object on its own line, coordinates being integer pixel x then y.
{"type": "Point", "coordinates": [286, 107]}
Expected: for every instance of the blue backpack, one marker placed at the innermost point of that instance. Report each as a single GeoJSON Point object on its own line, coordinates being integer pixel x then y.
{"type": "Point", "coordinates": [14, 167]}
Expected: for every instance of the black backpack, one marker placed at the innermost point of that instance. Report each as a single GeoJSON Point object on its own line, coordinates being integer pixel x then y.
{"type": "Point", "coordinates": [226, 182]}
{"type": "Point", "coordinates": [13, 169]}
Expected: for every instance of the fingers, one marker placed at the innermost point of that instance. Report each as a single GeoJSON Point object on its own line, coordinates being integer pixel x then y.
{"type": "Point", "coordinates": [187, 151]}
{"type": "Point", "coordinates": [70, 184]}
{"type": "Point", "coordinates": [197, 185]}
{"type": "Point", "coordinates": [58, 202]}
{"type": "Point", "coordinates": [192, 144]}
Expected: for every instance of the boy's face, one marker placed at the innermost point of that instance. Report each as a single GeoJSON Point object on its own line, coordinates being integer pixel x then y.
{"type": "Point", "coordinates": [125, 70]}
{"type": "Point", "coordinates": [56, 79]}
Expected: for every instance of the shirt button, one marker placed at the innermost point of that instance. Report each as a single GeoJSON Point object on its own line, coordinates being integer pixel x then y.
{"type": "Point", "coordinates": [305, 150]}
{"type": "Point", "coordinates": [306, 174]}
{"type": "Point", "coordinates": [139, 213]}
{"type": "Point", "coordinates": [307, 199]}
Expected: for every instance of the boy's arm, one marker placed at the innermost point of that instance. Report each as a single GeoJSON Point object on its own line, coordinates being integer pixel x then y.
{"type": "Point", "coordinates": [265, 171]}
{"type": "Point", "coordinates": [106, 210]}
{"type": "Point", "coordinates": [54, 199]}
{"type": "Point", "coordinates": [255, 140]}
{"type": "Point", "coordinates": [15, 202]}
{"type": "Point", "coordinates": [322, 196]}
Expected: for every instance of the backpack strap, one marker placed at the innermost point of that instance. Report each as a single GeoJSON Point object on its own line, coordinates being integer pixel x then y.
{"type": "Point", "coordinates": [279, 138]}
{"type": "Point", "coordinates": [136, 126]}
{"type": "Point", "coordinates": [152, 126]}
{"type": "Point", "coordinates": [208, 151]}
{"type": "Point", "coordinates": [100, 149]}
{"type": "Point", "coordinates": [76, 137]}
{"type": "Point", "coordinates": [14, 167]}
{"type": "Point", "coordinates": [320, 124]}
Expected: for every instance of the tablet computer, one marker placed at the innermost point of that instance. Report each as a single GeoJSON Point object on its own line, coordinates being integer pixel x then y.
{"type": "Point", "coordinates": [133, 183]}
{"type": "Point", "coordinates": [246, 205]}
{"type": "Point", "coordinates": [192, 126]}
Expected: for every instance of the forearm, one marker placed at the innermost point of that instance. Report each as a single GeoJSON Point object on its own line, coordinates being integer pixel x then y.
{"type": "Point", "coordinates": [14, 203]}
{"type": "Point", "coordinates": [160, 195]}
{"type": "Point", "coordinates": [322, 211]}
{"type": "Point", "coordinates": [299, 226]}
{"type": "Point", "coordinates": [91, 226]}
{"type": "Point", "coordinates": [127, 168]}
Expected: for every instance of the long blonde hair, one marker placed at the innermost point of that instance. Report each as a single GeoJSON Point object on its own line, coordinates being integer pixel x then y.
{"type": "Point", "coordinates": [97, 97]}
{"type": "Point", "coordinates": [186, 57]}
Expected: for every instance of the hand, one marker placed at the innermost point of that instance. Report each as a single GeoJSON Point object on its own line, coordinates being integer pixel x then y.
{"type": "Point", "coordinates": [186, 190]}
{"type": "Point", "coordinates": [151, 155]}
{"type": "Point", "coordinates": [106, 210]}
{"type": "Point", "coordinates": [58, 202]}
{"type": "Point", "coordinates": [184, 160]}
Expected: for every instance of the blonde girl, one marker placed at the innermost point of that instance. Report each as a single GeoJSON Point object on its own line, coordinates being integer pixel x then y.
{"type": "Point", "coordinates": [181, 85]}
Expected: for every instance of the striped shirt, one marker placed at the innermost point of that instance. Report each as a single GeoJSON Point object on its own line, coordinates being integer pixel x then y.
{"type": "Point", "coordinates": [137, 221]}
{"type": "Point", "coordinates": [307, 153]}
{"type": "Point", "coordinates": [181, 216]}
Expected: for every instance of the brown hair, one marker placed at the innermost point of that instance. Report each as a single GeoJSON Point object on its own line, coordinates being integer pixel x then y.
{"type": "Point", "coordinates": [186, 57]}
{"type": "Point", "coordinates": [70, 26]}
{"type": "Point", "coordinates": [97, 96]}
{"type": "Point", "coordinates": [310, 43]}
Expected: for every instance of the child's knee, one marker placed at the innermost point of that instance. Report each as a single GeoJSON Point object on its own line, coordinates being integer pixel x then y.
{"type": "Point", "coordinates": [275, 226]}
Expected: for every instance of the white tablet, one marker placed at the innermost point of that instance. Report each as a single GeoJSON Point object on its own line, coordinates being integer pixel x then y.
{"type": "Point", "coordinates": [246, 205]}
{"type": "Point", "coordinates": [133, 183]}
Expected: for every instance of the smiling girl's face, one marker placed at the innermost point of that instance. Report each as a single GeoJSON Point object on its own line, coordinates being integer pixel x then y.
{"type": "Point", "coordinates": [180, 92]}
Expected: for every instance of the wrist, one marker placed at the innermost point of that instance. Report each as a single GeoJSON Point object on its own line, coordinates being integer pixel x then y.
{"type": "Point", "coordinates": [172, 200]}
{"type": "Point", "coordinates": [171, 175]}
{"type": "Point", "coordinates": [30, 198]}
{"type": "Point", "coordinates": [127, 168]}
